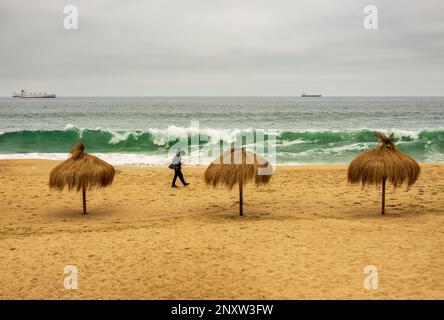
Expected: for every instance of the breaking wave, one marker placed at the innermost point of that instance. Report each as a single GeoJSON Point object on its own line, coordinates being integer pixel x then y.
{"type": "Point", "coordinates": [151, 146]}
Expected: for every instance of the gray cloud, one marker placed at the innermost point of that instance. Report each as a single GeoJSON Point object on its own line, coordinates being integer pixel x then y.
{"type": "Point", "coordinates": [231, 47]}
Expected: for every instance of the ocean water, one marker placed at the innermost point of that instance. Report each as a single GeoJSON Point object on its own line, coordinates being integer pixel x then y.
{"type": "Point", "coordinates": [142, 131]}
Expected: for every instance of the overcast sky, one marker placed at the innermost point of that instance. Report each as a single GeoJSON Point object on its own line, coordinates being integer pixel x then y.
{"type": "Point", "coordinates": [222, 47]}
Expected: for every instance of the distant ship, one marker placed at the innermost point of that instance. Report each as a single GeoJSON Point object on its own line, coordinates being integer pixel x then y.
{"type": "Point", "coordinates": [305, 95]}
{"type": "Point", "coordinates": [26, 94]}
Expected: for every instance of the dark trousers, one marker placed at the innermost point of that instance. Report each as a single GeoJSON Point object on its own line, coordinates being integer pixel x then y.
{"type": "Point", "coordinates": [178, 173]}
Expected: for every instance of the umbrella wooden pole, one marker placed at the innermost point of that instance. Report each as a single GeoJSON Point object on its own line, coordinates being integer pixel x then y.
{"type": "Point", "coordinates": [241, 199]}
{"type": "Point", "coordinates": [241, 193]}
{"type": "Point", "coordinates": [383, 196]}
{"type": "Point", "coordinates": [84, 200]}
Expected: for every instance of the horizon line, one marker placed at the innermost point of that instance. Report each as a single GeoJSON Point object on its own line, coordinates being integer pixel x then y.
{"type": "Point", "coordinates": [235, 96]}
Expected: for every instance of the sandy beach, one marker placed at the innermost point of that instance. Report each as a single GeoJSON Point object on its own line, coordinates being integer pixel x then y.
{"type": "Point", "coordinates": [307, 235]}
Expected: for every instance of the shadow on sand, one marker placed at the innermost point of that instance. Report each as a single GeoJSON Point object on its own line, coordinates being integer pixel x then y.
{"type": "Point", "coordinates": [250, 214]}
{"type": "Point", "coordinates": [94, 213]}
{"type": "Point", "coordinates": [394, 212]}
{"type": "Point", "coordinates": [218, 214]}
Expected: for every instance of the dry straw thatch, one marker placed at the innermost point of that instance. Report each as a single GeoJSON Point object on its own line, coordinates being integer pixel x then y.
{"type": "Point", "coordinates": [384, 163]}
{"type": "Point", "coordinates": [81, 172]}
{"type": "Point", "coordinates": [237, 167]}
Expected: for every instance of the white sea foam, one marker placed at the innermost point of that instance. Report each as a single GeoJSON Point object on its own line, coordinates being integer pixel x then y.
{"type": "Point", "coordinates": [117, 137]}
{"type": "Point", "coordinates": [69, 126]}
{"type": "Point", "coordinates": [120, 159]}
{"type": "Point", "coordinates": [117, 159]}
{"type": "Point", "coordinates": [288, 143]}
{"type": "Point", "coordinates": [34, 155]}
{"type": "Point", "coordinates": [162, 136]}
{"type": "Point", "coordinates": [113, 158]}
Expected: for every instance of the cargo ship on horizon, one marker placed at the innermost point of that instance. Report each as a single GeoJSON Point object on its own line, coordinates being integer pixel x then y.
{"type": "Point", "coordinates": [26, 94]}
{"type": "Point", "coordinates": [306, 95]}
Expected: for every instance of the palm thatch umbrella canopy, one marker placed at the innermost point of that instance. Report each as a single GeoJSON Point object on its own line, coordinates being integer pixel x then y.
{"type": "Point", "coordinates": [81, 172]}
{"type": "Point", "coordinates": [237, 167]}
{"type": "Point", "coordinates": [384, 163]}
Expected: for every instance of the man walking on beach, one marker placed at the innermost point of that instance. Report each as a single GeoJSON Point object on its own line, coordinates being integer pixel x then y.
{"type": "Point", "coordinates": [177, 166]}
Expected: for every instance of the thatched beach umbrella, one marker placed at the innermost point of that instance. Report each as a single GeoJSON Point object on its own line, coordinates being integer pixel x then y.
{"type": "Point", "coordinates": [237, 167]}
{"type": "Point", "coordinates": [384, 163]}
{"type": "Point", "coordinates": [81, 172]}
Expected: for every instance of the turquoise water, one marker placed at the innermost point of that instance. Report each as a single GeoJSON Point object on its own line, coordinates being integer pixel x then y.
{"type": "Point", "coordinates": [141, 130]}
